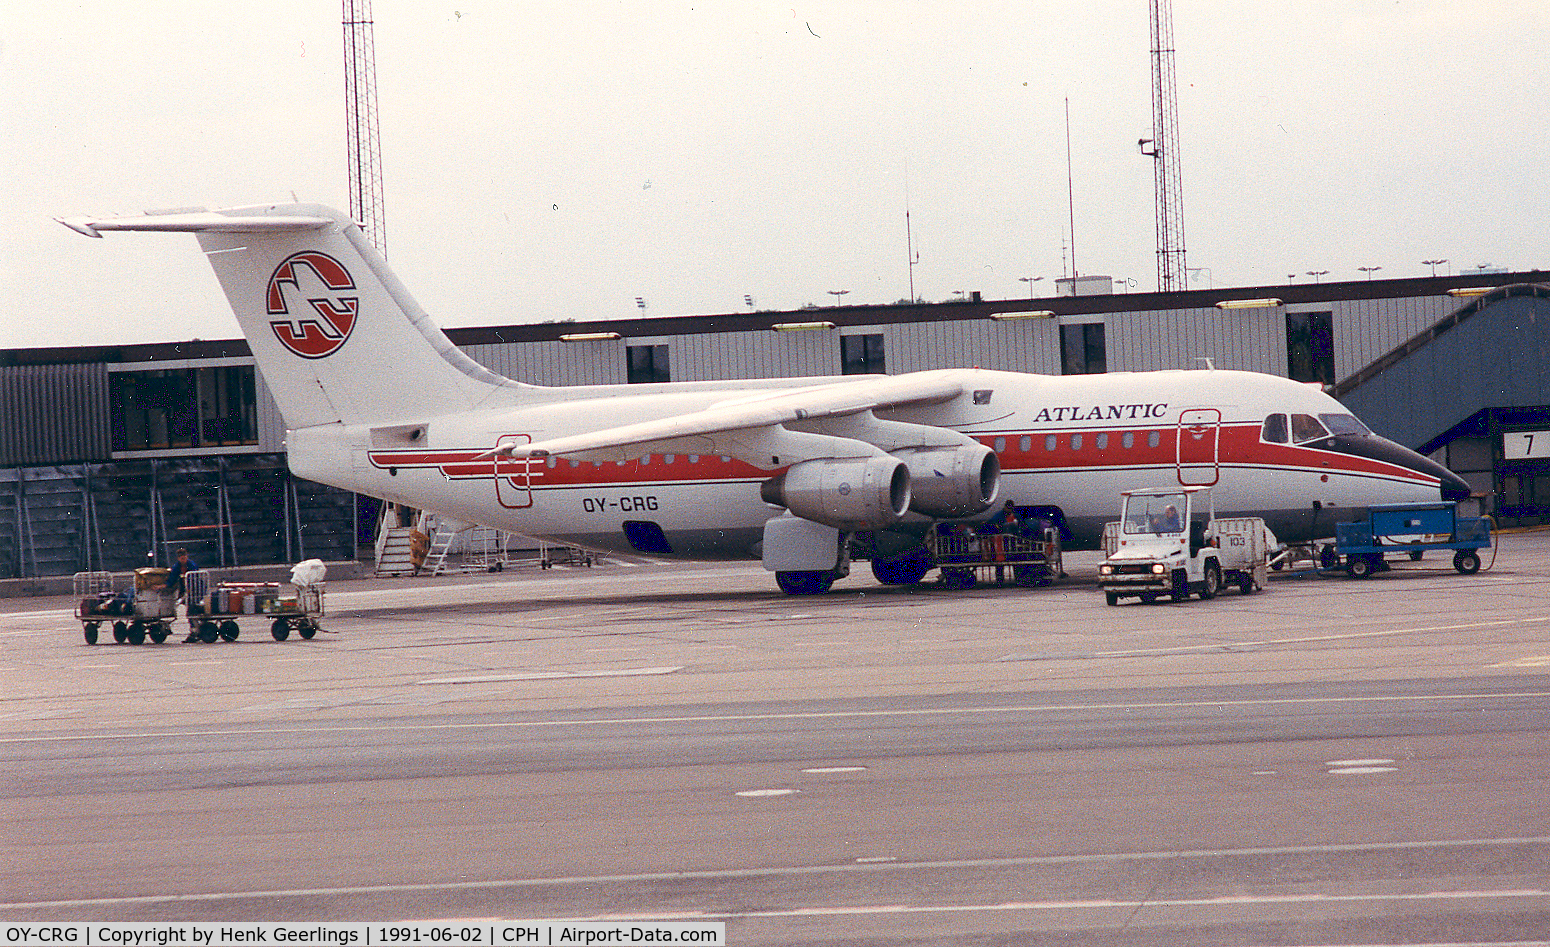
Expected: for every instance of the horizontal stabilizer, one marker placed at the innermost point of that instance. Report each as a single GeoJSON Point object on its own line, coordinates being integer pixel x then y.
{"type": "Point", "coordinates": [201, 222]}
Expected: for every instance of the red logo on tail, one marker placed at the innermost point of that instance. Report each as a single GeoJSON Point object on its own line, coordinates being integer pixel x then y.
{"type": "Point", "coordinates": [319, 330]}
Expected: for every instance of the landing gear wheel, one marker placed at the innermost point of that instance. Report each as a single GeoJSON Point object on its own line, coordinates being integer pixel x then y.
{"type": "Point", "coordinates": [208, 632]}
{"type": "Point", "coordinates": [1211, 582]}
{"type": "Point", "coordinates": [1111, 597]}
{"type": "Point", "coordinates": [1466, 562]}
{"type": "Point", "coordinates": [1328, 558]}
{"type": "Point", "coordinates": [804, 583]}
{"type": "Point", "coordinates": [1415, 555]}
{"type": "Point", "coordinates": [1247, 585]}
{"type": "Point", "coordinates": [90, 630]}
{"type": "Point", "coordinates": [158, 633]}
{"type": "Point", "coordinates": [307, 629]}
{"type": "Point", "coordinates": [136, 634]}
{"type": "Point", "coordinates": [229, 630]}
{"type": "Point", "coordinates": [1360, 567]}
{"type": "Point", "coordinates": [120, 632]}
{"type": "Point", "coordinates": [281, 629]}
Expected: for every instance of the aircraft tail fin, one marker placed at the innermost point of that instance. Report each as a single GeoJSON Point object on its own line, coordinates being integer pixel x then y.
{"type": "Point", "coordinates": [336, 336]}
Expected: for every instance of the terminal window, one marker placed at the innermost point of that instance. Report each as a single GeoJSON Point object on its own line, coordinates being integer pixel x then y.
{"type": "Point", "coordinates": [179, 408]}
{"type": "Point", "coordinates": [647, 364]}
{"type": "Point", "coordinates": [1310, 347]}
{"type": "Point", "coordinates": [1082, 349]}
{"type": "Point", "coordinates": [862, 355]}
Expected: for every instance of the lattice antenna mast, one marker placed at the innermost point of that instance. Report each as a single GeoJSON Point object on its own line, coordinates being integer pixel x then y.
{"type": "Point", "coordinates": [364, 142]}
{"type": "Point", "coordinates": [1171, 273]}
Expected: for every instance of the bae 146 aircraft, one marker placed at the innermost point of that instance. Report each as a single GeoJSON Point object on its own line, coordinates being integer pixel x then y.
{"type": "Point", "coordinates": [794, 471]}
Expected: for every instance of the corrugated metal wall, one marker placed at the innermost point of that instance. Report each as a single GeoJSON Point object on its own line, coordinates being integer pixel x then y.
{"type": "Point", "coordinates": [1367, 329]}
{"type": "Point", "coordinates": [52, 414]}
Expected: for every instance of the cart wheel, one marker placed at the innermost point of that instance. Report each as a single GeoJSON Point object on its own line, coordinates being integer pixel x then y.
{"type": "Point", "coordinates": [1211, 582]}
{"type": "Point", "coordinates": [1180, 585]}
{"type": "Point", "coordinates": [1466, 562]}
{"type": "Point", "coordinates": [90, 630]}
{"type": "Point", "coordinates": [1111, 597]}
{"type": "Point", "coordinates": [120, 632]}
{"type": "Point", "coordinates": [208, 632]}
{"type": "Point", "coordinates": [1415, 555]}
{"type": "Point", "coordinates": [307, 629]}
{"type": "Point", "coordinates": [136, 633]}
{"type": "Point", "coordinates": [1360, 567]}
{"type": "Point", "coordinates": [158, 633]}
{"type": "Point", "coordinates": [281, 629]}
{"type": "Point", "coordinates": [229, 630]}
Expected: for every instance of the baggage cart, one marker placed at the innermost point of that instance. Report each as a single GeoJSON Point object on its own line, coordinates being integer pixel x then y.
{"type": "Point", "coordinates": [145, 609]}
{"type": "Point", "coordinates": [105, 598]}
{"type": "Point", "coordinates": [966, 558]}
{"type": "Point", "coordinates": [217, 608]}
{"type": "Point", "coordinates": [1410, 529]}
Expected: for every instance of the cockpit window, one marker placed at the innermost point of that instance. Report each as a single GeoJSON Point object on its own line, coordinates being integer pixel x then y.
{"type": "Point", "coordinates": [1306, 427]}
{"type": "Point", "coordinates": [1344, 424]}
{"type": "Point", "coordinates": [1274, 431]}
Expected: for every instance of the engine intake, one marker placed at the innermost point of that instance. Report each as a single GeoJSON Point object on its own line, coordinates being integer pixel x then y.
{"type": "Point", "coordinates": [950, 482]}
{"type": "Point", "coordinates": [851, 494]}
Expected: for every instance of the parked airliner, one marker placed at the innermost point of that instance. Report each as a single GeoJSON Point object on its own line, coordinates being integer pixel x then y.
{"type": "Point", "coordinates": [795, 471]}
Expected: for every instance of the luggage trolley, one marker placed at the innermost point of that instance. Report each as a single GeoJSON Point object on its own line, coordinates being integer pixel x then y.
{"type": "Point", "coordinates": [145, 611]}
{"type": "Point", "coordinates": [217, 607]}
{"type": "Point", "coordinates": [965, 557]}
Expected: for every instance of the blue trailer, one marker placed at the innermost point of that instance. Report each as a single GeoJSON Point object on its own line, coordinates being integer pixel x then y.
{"type": "Point", "coordinates": [1411, 529]}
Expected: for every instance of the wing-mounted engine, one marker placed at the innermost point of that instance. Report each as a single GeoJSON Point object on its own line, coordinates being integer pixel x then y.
{"type": "Point", "coordinates": [951, 482]}
{"type": "Point", "coordinates": [846, 493]}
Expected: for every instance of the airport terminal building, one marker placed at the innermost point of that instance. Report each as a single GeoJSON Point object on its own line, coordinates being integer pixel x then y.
{"type": "Point", "coordinates": [111, 457]}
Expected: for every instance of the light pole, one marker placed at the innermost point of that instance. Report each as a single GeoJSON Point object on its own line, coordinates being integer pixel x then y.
{"type": "Point", "coordinates": [1433, 264]}
{"type": "Point", "coordinates": [1369, 270]}
{"type": "Point", "coordinates": [1316, 274]}
{"type": "Point", "coordinates": [1030, 280]}
{"type": "Point", "coordinates": [837, 293]}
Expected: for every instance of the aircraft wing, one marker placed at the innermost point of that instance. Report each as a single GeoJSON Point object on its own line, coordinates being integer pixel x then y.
{"type": "Point", "coordinates": [748, 426]}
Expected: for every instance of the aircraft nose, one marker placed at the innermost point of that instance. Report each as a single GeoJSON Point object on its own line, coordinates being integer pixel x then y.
{"type": "Point", "coordinates": [1454, 487]}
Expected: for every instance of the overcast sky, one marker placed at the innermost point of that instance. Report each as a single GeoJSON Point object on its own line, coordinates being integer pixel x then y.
{"type": "Point", "coordinates": [557, 160]}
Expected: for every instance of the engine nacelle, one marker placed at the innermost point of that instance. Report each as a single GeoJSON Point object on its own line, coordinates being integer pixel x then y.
{"type": "Point", "coordinates": [853, 493]}
{"type": "Point", "coordinates": [950, 482]}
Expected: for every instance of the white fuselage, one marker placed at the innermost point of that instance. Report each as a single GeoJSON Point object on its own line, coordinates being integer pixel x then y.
{"type": "Point", "coordinates": [1071, 443]}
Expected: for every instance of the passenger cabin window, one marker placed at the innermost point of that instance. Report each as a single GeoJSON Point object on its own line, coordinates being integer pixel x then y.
{"type": "Point", "coordinates": [1306, 427]}
{"type": "Point", "coordinates": [1274, 431]}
